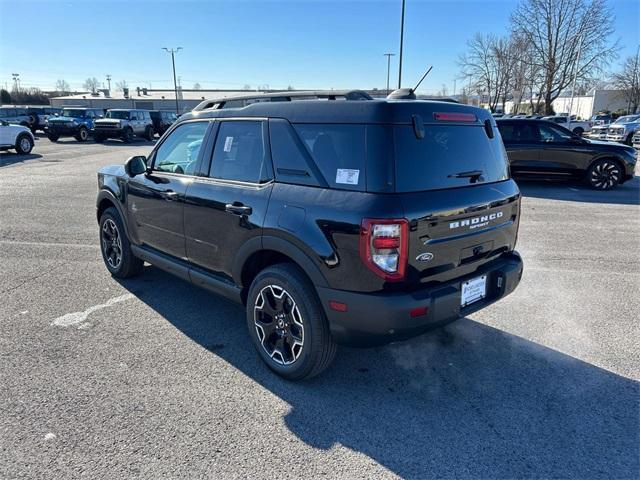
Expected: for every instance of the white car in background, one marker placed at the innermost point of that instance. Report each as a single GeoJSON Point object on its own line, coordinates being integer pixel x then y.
{"type": "Point", "coordinates": [16, 137]}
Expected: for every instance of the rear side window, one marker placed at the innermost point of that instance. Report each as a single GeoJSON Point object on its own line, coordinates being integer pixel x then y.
{"type": "Point", "coordinates": [518, 132]}
{"type": "Point", "coordinates": [447, 157]}
{"type": "Point", "coordinates": [338, 151]}
{"type": "Point", "coordinates": [240, 152]}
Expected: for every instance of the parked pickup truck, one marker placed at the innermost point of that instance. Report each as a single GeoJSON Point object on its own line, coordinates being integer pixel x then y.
{"type": "Point", "coordinates": [623, 128]}
{"type": "Point", "coordinates": [576, 126]}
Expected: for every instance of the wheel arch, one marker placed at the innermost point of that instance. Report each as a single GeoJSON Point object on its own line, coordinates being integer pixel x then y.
{"type": "Point", "coordinates": [107, 199]}
{"type": "Point", "coordinates": [261, 252]}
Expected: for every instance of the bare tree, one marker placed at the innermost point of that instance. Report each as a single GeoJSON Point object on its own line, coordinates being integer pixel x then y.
{"type": "Point", "coordinates": [568, 38]}
{"type": "Point", "coordinates": [62, 86]}
{"type": "Point", "coordinates": [628, 80]}
{"type": "Point", "coordinates": [196, 86]}
{"type": "Point", "coordinates": [479, 65]}
{"type": "Point", "coordinates": [121, 85]}
{"type": "Point", "coordinates": [91, 84]}
{"type": "Point", "coordinates": [246, 87]}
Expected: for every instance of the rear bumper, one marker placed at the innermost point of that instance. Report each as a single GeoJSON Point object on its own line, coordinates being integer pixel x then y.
{"type": "Point", "coordinates": [379, 318]}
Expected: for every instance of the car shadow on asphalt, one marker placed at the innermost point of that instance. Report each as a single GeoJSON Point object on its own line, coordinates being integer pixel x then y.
{"type": "Point", "coordinates": [464, 401]}
{"type": "Point", "coordinates": [7, 159]}
{"type": "Point", "coordinates": [626, 194]}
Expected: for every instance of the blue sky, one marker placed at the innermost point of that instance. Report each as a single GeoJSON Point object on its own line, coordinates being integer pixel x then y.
{"type": "Point", "coordinates": [227, 44]}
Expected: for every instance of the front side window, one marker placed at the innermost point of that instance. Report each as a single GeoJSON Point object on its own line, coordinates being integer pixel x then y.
{"type": "Point", "coordinates": [240, 153]}
{"type": "Point", "coordinates": [179, 152]}
{"type": "Point", "coordinates": [118, 114]}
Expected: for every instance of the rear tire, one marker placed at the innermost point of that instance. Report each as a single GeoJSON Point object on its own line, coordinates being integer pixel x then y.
{"type": "Point", "coordinates": [287, 324]}
{"type": "Point", "coordinates": [24, 144]}
{"type": "Point", "coordinates": [116, 248]}
{"type": "Point", "coordinates": [149, 133]}
{"type": "Point", "coordinates": [604, 174]}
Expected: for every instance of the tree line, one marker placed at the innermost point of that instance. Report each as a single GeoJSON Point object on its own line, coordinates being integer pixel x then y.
{"type": "Point", "coordinates": [552, 46]}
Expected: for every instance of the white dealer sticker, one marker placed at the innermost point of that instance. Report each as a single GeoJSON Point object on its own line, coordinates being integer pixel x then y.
{"type": "Point", "coordinates": [347, 176]}
{"type": "Point", "coordinates": [228, 142]}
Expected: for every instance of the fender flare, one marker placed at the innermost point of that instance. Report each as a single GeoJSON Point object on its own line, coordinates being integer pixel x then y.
{"type": "Point", "coordinates": [107, 194]}
{"type": "Point", "coordinates": [280, 245]}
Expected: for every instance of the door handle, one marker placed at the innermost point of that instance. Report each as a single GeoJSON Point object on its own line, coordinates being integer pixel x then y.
{"type": "Point", "coordinates": [238, 208]}
{"type": "Point", "coordinates": [169, 195]}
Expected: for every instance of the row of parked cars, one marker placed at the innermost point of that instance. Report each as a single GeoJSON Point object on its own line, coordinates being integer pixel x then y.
{"type": "Point", "coordinates": [81, 123]}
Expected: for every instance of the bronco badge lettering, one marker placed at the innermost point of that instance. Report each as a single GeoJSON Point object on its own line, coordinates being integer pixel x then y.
{"type": "Point", "coordinates": [475, 222]}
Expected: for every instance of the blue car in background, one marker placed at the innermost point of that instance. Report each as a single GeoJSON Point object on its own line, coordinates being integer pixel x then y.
{"type": "Point", "coordinates": [72, 122]}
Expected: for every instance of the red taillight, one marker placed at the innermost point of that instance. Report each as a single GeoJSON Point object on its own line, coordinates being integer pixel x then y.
{"type": "Point", "coordinates": [384, 246]}
{"type": "Point", "coordinates": [455, 117]}
{"type": "Point", "coordinates": [419, 312]}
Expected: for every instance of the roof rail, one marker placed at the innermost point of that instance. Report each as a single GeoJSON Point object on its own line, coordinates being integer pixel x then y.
{"type": "Point", "coordinates": [285, 96]}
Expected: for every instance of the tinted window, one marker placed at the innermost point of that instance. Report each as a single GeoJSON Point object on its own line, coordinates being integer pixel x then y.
{"type": "Point", "coordinates": [179, 152]}
{"type": "Point", "coordinates": [518, 132]}
{"type": "Point", "coordinates": [551, 134]}
{"type": "Point", "coordinates": [240, 152]}
{"type": "Point", "coordinates": [69, 112]}
{"type": "Point", "coordinates": [338, 151]}
{"type": "Point", "coordinates": [445, 152]}
{"type": "Point", "coordinates": [118, 114]}
{"type": "Point", "coordinates": [291, 160]}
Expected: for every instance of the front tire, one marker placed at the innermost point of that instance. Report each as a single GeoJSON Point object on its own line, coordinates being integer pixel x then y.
{"type": "Point", "coordinates": [83, 134]}
{"type": "Point", "coordinates": [127, 135]}
{"type": "Point", "coordinates": [149, 134]}
{"type": "Point", "coordinates": [604, 174]}
{"type": "Point", "coordinates": [53, 138]}
{"type": "Point", "coordinates": [116, 248]}
{"type": "Point", "coordinates": [578, 131]}
{"type": "Point", "coordinates": [287, 324]}
{"type": "Point", "coordinates": [98, 138]}
{"type": "Point", "coordinates": [24, 144]}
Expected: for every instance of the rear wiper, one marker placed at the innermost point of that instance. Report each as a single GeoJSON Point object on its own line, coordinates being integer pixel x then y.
{"type": "Point", "coordinates": [473, 175]}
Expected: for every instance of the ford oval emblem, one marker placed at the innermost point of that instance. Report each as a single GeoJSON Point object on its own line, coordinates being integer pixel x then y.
{"type": "Point", "coordinates": [425, 257]}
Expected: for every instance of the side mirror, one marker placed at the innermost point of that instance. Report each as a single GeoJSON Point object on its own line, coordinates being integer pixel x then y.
{"type": "Point", "coordinates": [136, 165]}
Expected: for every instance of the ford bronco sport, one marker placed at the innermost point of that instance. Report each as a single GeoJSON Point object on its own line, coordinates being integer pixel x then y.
{"type": "Point", "coordinates": [124, 124]}
{"type": "Point", "coordinates": [357, 222]}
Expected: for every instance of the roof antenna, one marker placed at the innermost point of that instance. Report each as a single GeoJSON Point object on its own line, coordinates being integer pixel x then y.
{"type": "Point", "coordinates": [407, 93]}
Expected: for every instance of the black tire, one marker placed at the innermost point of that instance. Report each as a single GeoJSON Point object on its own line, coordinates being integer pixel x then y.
{"type": "Point", "coordinates": [24, 144]}
{"type": "Point", "coordinates": [127, 135]}
{"type": "Point", "coordinates": [114, 241]}
{"type": "Point", "coordinates": [83, 134]}
{"type": "Point", "coordinates": [149, 133]}
{"type": "Point", "coordinates": [578, 131]}
{"type": "Point", "coordinates": [305, 321]}
{"type": "Point", "coordinates": [604, 174]}
{"type": "Point", "coordinates": [98, 138]}
{"type": "Point", "coordinates": [629, 140]}
{"type": "Point", "coordinates": [53, 138]}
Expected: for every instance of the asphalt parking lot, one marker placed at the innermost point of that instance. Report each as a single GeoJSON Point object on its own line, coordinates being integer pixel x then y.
{"type": "Point", "coordinates": [155, 378]}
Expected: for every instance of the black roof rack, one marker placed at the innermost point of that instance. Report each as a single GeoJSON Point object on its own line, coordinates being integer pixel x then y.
{"type": "Point", "coordinates": [286, 96]}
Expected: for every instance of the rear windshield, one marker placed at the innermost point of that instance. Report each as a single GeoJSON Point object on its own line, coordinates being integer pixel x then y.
{"type": "Point", "coordinates": [448, 156]}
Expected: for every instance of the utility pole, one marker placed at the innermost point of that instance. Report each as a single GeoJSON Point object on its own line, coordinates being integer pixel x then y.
{"type": "Point", "coordinates": [173, 51]}
{"type": "Point", "coordinates": [388, 55]}
{"type": "Point", "coordinates": [109, 82]}
{"type": "Point", "coordinates": [401, 43]}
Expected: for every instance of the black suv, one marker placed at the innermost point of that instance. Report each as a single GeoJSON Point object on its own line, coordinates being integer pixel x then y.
{"type": "Point", "coordinates": [162, 120]}
{"type": "Point", "coordinates": [539, 147]}
{"type": "Point", "coordinates": [354, 222]}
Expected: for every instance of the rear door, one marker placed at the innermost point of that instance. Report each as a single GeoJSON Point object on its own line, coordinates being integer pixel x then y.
{"type": "Point", "coordinates": [522, 144]}
{"type": "Point", "coordinates": [226, 208]}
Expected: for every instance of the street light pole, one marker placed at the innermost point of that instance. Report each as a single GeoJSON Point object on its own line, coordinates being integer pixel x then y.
{"type": "Point", "coordinates": [388, 55]}
{"type": "Point", "coordinates": [173, 51]}
{"type": "Point", "coordinates": [109, 82]}
{"type": "Point", "coordinates": [401, 43]}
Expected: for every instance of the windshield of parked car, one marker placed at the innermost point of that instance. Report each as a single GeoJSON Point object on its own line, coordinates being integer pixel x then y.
{"type": "Point", "coordinates": [627, 119]}
{"type": "Point", "coordinates": [68, 112]}
{"type": "Point", "coordinates": [118, 114]}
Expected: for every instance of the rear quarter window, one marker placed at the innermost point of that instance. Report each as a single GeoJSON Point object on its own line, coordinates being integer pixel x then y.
{"type": "Point", "coordinates": [338, 151]}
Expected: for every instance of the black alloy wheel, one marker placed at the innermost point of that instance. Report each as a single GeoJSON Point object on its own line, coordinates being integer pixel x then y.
{"type": "Point", "coordinates": [604, 174]}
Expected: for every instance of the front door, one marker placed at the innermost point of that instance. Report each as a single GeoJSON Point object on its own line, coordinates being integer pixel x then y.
{"type": "Point", "coordinates": [227, 208]}
{"type": "Point", "coordinates": [562, 153]}
{"type": "Point", "coordinates": [156, 198]}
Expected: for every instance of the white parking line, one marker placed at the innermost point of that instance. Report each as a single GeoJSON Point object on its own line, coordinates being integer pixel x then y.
{"type": "Point", "coordinates": [49, 244]}
{"type": "Point", "coordinates": [76, 318]}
